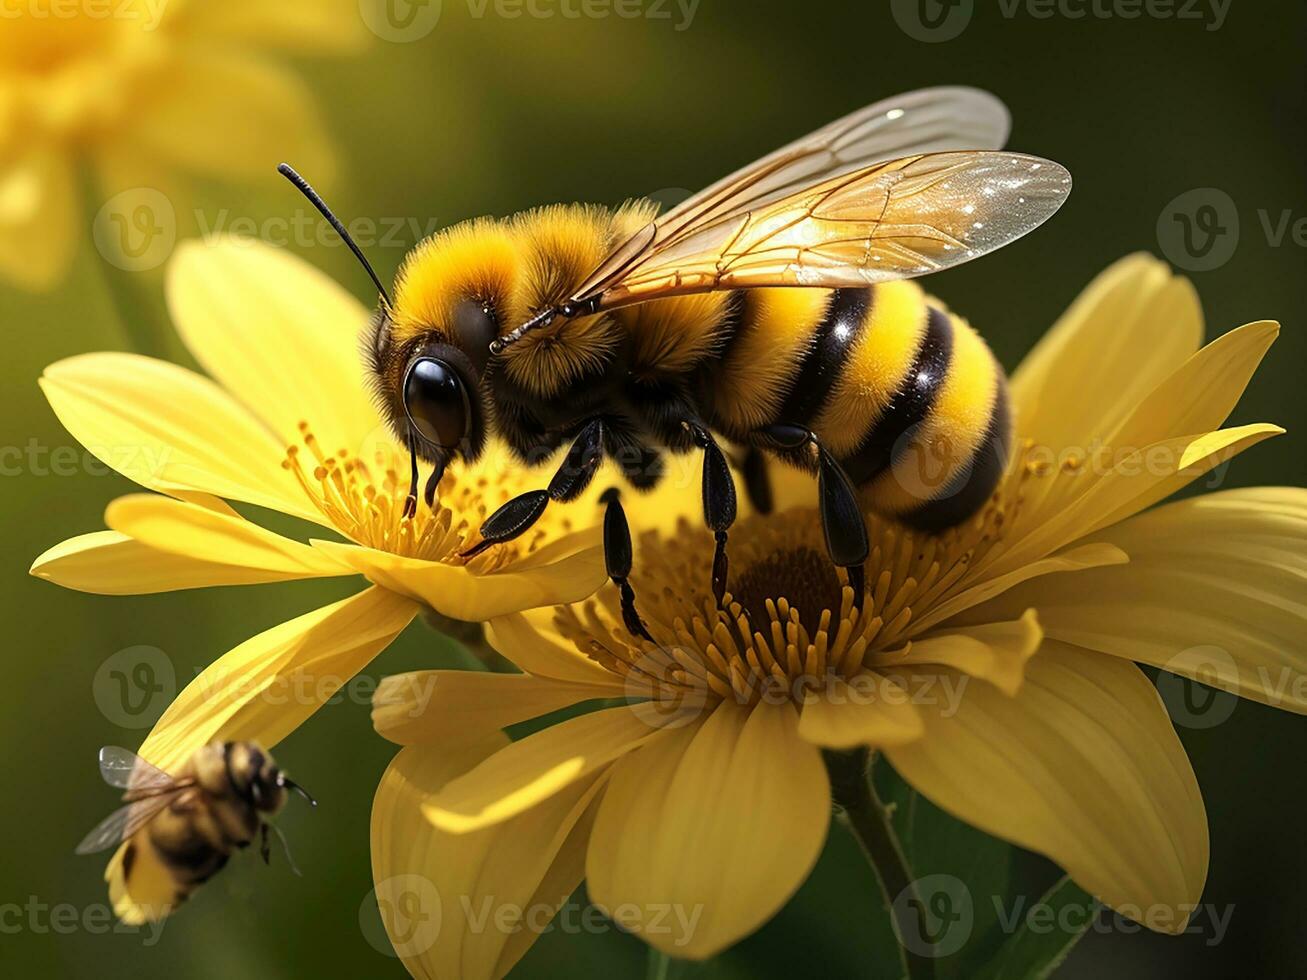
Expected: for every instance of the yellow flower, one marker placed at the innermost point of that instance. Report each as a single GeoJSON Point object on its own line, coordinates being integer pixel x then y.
{"type": "Point", "coordinates": [290, 426]}
{"type": "Point", "coordinates": [146, 93]}
{"type": "Point", "coordinates": [992, 666]}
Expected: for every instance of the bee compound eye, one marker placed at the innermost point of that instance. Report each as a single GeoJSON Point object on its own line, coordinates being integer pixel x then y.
{"type": "Point", "coordinates": [436, 402]}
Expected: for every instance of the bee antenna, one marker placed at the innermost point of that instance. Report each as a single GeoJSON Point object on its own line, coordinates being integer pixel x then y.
{"type": "Point", "coordinates": [305, 188]}
{"type": "Point", "coordinates": [295, 787]}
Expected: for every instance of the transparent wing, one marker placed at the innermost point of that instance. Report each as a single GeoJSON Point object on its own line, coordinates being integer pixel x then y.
{"type": "Point", "coordinates": [125, 769]}
{"type": "Point", "coordinates": [925, 121]}
{"type": "Point", "coordinates": [893, 220]}
{"type": "Point", "coordinates": [125, 821]}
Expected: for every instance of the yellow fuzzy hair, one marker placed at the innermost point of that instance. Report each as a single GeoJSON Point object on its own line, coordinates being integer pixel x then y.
{"type": "Point", "coordinates": [558, 247]}
{"type": "Point", "coordinates": [773, 336]}
{"type": "Point", "coordinates": [476, 259]}
{"type": "Point", "coordinates": [149, 893]}
{"type": "Point", "coordinates": [877, 365]}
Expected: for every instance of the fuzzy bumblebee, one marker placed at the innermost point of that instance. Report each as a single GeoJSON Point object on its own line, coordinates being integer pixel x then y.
{"type": "Point", "coordinates": [773, 311]}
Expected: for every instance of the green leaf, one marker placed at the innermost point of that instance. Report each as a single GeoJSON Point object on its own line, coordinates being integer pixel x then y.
{"type": "Point", "coordinates": [1046, 934]}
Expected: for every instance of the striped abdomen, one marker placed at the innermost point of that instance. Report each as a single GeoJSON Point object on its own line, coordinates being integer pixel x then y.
{"type": "Point", "coordinates": [905, 394]}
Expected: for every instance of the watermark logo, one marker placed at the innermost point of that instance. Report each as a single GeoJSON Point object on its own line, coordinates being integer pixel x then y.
{"type": "Point", "coordinates": [932, 21]}
{"type": "Point", "coordinates": [934, 916]}
{"type": "Point", "coordinates": [401, 21]}
{"type": "Point", "coordinates": [410, 914]}
{"type": "Point", "coordinates": [1199, 230]}
{"type": "Point", "coordinates": [136, 230]}
{"type": "Point", "coordinates": [134, 686]}
{"type": "Point", "coordinates": [1198, 703]}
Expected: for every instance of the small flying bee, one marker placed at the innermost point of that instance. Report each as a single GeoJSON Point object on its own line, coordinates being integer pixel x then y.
{"type": "Point", "coordinates": [775, 310]}
{"type": "Point", "coordinates": [180, 830]}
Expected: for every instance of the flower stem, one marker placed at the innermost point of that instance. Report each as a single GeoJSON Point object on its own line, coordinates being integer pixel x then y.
{"type": "Point", "coordinates": [472, 638]}
{"type": "Point", "coordinates": [132, 294]}
{"type": "Point", "coordinates": [658, 965]}
{"type": "Point", "coordinates": [869, 822]}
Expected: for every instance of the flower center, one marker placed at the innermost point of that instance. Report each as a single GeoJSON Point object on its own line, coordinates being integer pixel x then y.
{"type": "Point", "coordinates": [365, 502]}
{"type": "Point", "coordinates": [804, 576]}
{"type": "Point", "coordinates": [789, 620]}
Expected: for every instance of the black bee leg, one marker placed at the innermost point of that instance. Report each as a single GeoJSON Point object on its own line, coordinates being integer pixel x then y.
{"type": "Point", "coordinates": [619, 555]}
{"type": "Point", "coordinates": [719, 504]}
{"type": "Point", "coordinates": [842, 523]}
{"type": "Point", "coordinates": [517, 516]}
{"type": "Point", "coordinates": [411, 501]}
{"type": "Point", "coordinates": [757, 482]}
{"type": "Point", "coordinates": [265, 846]}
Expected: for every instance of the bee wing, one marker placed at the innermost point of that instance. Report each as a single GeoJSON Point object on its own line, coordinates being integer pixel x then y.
{"type": "Point", "coordinates": [892, 220]}
{"type": "Point", "coordinates": [125, 769]}
{"type": "Point", "coordinates": [924, 121]}
{"type": "Point", "coordinates": [125, 821]}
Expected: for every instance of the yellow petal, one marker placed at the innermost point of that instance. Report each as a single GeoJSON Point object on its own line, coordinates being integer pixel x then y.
{"type": "Point", "coordinates": [38, 218]}
{"type": "Point", "coordinates": [995, 652]}
{"type": "Point", "coordinates": [1200, 395]}
{"type": "Point", "coordinates": [1124, 335]}
{"type": "Point", "coordinates": [1144, 442]}
{"type": "Point", "coordinates": [269, 685]}
{"type": "Point", "coordinates": [278, 119]}
{"type": "Point", "coordinates": [530, 641]}
{"type": "Point", "coordinates": [192, 531]}
{"type": "Point", "coordinates": [705, 833]}
{"type": "Point", "coordinates": [171, 430]}
{"type": "Point", "coordinates": [470, 905]}
{"type": "Point", "coordinates": [1084, 767]}
{"type": "Point", "coordinates": [534, 769]}
{"type": "Point", "coordinates": [1072, 560]}
{"type": "Point", "coordinates": [278, 334]}
{"type": "Point", "coordinates": [460, 593]}
{"type": "Point", "coordinates": [109, 563]}
{"type": "Point", "coordinates": [437, 705]}
{"type": "Point", "coordinates": [1214, 590]}
{"type": "Point", "coordinates": [310, 26]}
{"type": "Point", "coordinates": [872, 710]}
{"type": "Point", "coordinates": [1130, 484]}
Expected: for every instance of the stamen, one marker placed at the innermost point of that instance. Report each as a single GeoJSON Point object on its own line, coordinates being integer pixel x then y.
{"type": "Point", "coordinates": [792, 620]}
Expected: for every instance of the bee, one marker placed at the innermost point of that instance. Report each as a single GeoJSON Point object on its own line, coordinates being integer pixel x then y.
{"type": "Point", "coordinates": [179, 831]}
{"type": "Point", "coordinates": [776, 311]}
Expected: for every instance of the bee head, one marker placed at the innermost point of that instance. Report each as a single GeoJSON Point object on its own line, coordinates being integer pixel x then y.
{"type": "Point", "coordinates": [254, 777]}
{"type": "Point", "coordinates": [429, 350]}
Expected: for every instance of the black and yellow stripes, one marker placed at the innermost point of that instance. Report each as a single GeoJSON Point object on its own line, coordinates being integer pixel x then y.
{"type": "Point", "coordinates": [904, 393]}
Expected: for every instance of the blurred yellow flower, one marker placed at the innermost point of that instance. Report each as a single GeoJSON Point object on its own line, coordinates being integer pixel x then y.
{"type": "Point", "coordinates": [992, 666]}
{"type": "Point", "coordinates": [292, 428]}
{"type": "Point", "coordinates": [143, 94]}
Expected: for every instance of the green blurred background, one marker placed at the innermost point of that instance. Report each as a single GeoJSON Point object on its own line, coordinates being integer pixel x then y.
{"type": "Point", "coordinates": [488, 114]}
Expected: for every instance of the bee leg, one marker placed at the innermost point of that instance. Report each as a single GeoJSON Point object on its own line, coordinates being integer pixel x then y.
{"type": "Point", "coordinates": [619, 556]}
{"type": "Point", "coordinates": [719, 504]}
{"type": "Point", "coordinates": [265, 846]}
{"type": "Point", "coordinates": [573, 476]}
{"type": "Point", "coordinates": [842, 523]}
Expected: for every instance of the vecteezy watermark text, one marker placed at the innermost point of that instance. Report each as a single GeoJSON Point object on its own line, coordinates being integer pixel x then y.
{"type": "Point", "coordinates": [935, 21]}
{"type": "Point", "coordinates": [406, 21]}
{"type": "Point", "coordinates": [42, 918]}
{"type": "Point", "coordinates": [148, 12]}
